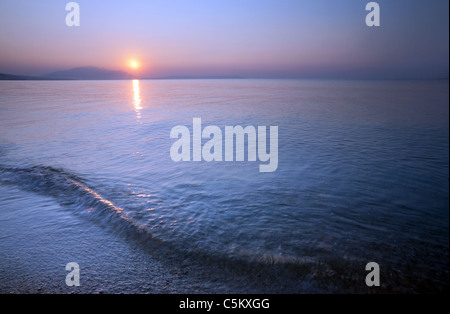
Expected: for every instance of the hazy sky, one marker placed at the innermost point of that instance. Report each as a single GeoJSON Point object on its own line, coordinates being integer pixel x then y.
{"type": "Point", "coordinates": [251, 38]}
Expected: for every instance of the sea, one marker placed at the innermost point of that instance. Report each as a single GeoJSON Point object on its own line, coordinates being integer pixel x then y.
{"type": "Point", "coordinates": [86, 176]}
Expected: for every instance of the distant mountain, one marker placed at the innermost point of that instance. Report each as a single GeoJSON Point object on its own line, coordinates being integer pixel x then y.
{"type": "Point", "coordinates": [81, 73]}
{"type": "Point", "coordinates": [94, 73]}
{"type": "Point", "coordinates": [4, 76]}
{"type": "Point", "coordinates": [88, 73]}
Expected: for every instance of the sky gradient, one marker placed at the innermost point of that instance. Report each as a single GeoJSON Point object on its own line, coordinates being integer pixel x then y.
{"type": "Point", "coordinates": [249, 38]}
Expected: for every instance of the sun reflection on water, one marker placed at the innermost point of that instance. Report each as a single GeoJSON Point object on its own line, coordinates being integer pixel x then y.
{"type": "Point", "coordinates": [137, 99]}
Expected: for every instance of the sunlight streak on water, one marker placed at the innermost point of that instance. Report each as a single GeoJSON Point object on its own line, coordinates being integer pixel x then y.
{"type": "Point", "coordinates": [137, 100]}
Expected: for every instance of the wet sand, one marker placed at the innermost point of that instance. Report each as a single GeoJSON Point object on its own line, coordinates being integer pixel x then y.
{"type": "Point", "coordinates": [36, 244]}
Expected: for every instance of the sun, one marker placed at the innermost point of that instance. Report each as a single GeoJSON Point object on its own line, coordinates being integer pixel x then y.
{"type": "Point", "coordinates": [134, 64]}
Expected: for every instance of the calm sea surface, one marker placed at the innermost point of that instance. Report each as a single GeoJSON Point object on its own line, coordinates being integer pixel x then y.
{"type": "Point", "coordinates": [363, 173]}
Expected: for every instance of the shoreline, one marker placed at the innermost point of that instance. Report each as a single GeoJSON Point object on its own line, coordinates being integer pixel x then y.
{"type": "Point", "coordinates": [36, 244]}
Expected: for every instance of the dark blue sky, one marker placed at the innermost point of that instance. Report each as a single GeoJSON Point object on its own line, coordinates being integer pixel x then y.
{"type": "Point", "coordinates": [251, 38]}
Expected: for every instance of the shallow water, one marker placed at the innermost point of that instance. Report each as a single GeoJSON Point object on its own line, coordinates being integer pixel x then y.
{"type": "Point", "coordinates": [362, 174]}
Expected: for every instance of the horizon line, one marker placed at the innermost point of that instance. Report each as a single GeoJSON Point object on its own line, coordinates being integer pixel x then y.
{"type": "Point", "coordinates": [18, 77]}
